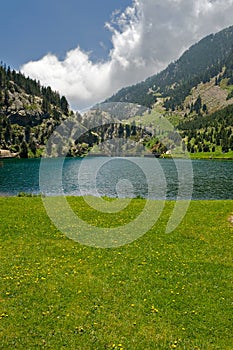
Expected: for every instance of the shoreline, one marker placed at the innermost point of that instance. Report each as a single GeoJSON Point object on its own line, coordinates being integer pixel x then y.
{"type": "Point", "coordinates": [174, 156]}
{"type": "Point", "coordinates": [109, 199]}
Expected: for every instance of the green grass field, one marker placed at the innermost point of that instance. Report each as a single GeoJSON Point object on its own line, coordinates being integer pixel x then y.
{"type": "Point", "coordinates": [218, 155]}
{"type": "Point", "coordinates": [212, 155]}
{"type": "Point", "coordinates": [163, 291]}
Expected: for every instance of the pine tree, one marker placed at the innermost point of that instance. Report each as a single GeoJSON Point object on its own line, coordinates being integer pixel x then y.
{"type": "Point", "coordinates": [27, 133]}
{"type": "Point", "coordinates": [23, 150]}
{"type": "Point", "coordinates": [64, 105]}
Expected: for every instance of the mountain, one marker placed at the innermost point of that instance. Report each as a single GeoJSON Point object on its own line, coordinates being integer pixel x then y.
{"type": "Point", "coordinates": [35, 120]}
{"type": "Point", "coordinates": [195, 93]}
{"type": "Point", "coordinates": [200, 63]}
{"type": "Point", "coordinates": [29, 113]}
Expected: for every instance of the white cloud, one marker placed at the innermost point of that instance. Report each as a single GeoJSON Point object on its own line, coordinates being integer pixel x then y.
{"type": "Point", "coordinates": [147, 36]}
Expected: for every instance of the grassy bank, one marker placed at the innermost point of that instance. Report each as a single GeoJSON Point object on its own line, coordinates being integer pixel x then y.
{"type": "Point", "coordinates": [164, 291]}
{"type": "Point", "coordinates": [202, 155]}
{"type": "Point", "coordinates": [212, 155]}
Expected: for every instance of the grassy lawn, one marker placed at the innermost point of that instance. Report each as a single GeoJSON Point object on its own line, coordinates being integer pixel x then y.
{"type": "Point", "coordinates": [212, 155]}
{"type": "Point", "coordinates": [163, 291]}
{"type": "Point", "coordinates": [218, 154]}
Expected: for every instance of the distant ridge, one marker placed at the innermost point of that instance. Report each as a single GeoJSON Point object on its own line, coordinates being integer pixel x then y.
{"type": "Point", "coordinates": [201, 62]}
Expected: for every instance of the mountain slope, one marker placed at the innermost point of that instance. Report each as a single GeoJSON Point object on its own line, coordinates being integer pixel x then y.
{"type": "Point", "coordinates": [28, 113]}
{"type": "Point", "coordinates": [195, 93]}
{"type": "Point", "coordinates": [200, 63]}
{"type": "Point", "coordinates": [189, 92]}
{"type": "Point", "coordinates": [36, 120]}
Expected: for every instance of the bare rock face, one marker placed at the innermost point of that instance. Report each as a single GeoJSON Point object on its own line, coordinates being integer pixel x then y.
{"type": "Point", "coordinates": [4, 153]}
{"type": "Point", "coordinates": [22, 107]}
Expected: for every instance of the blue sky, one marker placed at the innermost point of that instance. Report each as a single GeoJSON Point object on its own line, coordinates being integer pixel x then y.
{"type": "Point", "coordinates": [83, 51]}
{"type": "Point", "coordinates": [30, 28]}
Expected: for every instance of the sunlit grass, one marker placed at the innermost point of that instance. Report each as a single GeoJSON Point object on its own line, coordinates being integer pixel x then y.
{"type": "Point", "coordinates": [164, 291]}
{"type": "Point", "coordinates": [218, 154]}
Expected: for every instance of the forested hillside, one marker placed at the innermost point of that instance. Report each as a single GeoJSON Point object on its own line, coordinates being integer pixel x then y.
{"type": "Point", "coordinates": [29, 113]}
{"type": "Point", "coordinates": [195, 93]}
{"type": "Point", "coordinates": [200, 63]}
{"type": "Point", "coordinates": [208, 133]}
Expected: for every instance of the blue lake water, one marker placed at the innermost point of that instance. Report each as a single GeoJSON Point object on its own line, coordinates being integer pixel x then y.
{"type": "Point", "coordinates": [119, 177]}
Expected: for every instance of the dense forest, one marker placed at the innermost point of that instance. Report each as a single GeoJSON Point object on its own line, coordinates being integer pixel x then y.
{"type": "Point", "coordinates": [205, 134]}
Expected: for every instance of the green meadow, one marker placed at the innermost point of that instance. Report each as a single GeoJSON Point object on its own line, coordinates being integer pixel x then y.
{"type": "Point", "coordinates": [163, 291]}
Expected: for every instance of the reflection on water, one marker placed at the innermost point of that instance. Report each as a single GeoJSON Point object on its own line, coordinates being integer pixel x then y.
{"type": "Point", "coordinates": [118, 177]}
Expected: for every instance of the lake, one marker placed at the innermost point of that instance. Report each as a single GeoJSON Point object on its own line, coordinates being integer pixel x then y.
{"type": "Point", "coordinates": [119, 177]}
